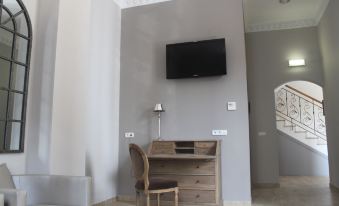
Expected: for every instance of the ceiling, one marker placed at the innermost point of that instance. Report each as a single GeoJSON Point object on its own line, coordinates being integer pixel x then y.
{"type": "Point", "coordinates": [268, 15]}
{"type": "Point", "coordinates": [132, 3]}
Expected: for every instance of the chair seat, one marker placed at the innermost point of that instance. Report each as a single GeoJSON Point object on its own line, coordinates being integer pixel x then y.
{"type": "Point", "coordinates": [157, 184]}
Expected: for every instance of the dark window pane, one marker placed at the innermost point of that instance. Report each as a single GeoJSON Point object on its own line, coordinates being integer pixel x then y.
{"type": "Point", "coordinates": [21, 49]}
{"type": "Point", "coordinates": [3, 104]}
{"type": "Point", "coordinates": [6, 21]}
{"type": "Point", "coordinates": [2, 134]}
{"type": "Point", "coordinates": [15, 106]}
{"type": "Point", "coordinates": [12, 5]}
{"type": "Point", "coordinates": [4, 73]}
{"type": "Point", "coordinates": [22, 24]}
{"type": "Point", "coordinates": [6, 39]}
{"type": "Point", "coordinates": [13, 134]}
{"type": "Point", "coordinates": [18, 77]}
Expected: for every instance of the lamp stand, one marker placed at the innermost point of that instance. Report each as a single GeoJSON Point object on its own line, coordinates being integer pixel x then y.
{"type": "Point", "coordinates": [159, 124]}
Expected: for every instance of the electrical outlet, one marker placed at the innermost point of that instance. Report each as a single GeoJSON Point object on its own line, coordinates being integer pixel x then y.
{"type": "Point", "coordinates": [129, 135]}
{"type": "Point", "coordinates": [219, 132]}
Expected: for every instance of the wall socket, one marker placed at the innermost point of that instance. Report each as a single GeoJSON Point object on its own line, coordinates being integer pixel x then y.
{"type": "Point", "coordinates": [219, 132]}
{"type": "Point", "coordinates": [129, 135]}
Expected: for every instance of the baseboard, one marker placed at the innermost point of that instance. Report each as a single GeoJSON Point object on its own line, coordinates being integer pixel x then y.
{"type": "Point", "coordinates": [265, 185]}
{"type": "Point", "coordinates": [237, 203]}
{"type": "Point", "coordinates": [108, 202]}
{"type": "Point", "coordinates": [126, 198]}
{"type": "Point", "coordinates": [334, 188]}
{"type": "Point", "coordinates": [129, 198]}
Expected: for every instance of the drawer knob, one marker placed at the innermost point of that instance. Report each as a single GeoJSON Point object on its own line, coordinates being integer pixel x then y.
{"type": "Point", "coordinates": [198, 166]}
{"type": "Point", "coordinates": [197, 182]}
{"type": "Point", "coordinates": [198, 196]}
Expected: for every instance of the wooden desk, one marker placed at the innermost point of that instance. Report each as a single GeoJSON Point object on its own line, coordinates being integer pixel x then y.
{"type": "Point", "coordinates": [194, 164]}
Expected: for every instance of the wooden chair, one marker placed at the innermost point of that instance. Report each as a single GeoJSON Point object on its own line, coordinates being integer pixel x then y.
{"type": "Point", "coordinates": [148, 185]}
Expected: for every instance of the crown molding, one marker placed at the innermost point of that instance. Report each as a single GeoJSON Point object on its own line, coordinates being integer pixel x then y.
{"type": "Point", "coordinates": [290, 24]}
{"type": "Point", "coordinates": [281, 25]}
{"type": "Point", "coordinates": [124, 4]}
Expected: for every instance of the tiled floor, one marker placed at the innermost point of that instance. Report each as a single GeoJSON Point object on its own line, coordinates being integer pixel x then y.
{"type": "Point", "coordinates": [297, 191]}
{"type": "Point", "coordinates": [293, 191]}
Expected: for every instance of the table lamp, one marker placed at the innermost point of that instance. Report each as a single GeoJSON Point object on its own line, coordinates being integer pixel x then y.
{"type": "Point", "coordinates": [159, 108]}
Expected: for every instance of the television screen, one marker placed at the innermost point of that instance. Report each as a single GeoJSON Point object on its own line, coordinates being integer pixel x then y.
{"type": "Point", "coordinates": [196, 59]}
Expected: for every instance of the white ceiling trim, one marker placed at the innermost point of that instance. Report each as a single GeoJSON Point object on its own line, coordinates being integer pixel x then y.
{"type": "Point", "coordinates": [281, 25]}
{"type": "Point", "coordinates": [133, 3]}
{"type": "Point", "coordinates": [311, 22]}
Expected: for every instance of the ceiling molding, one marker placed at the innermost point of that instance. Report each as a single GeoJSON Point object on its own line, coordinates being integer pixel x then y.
{"type": "Point", "coordinates": [124, 4]}
{"type": "Point", "coordinates": [263, 15]}
{"type": "Point", "coordinates": [281, 25]}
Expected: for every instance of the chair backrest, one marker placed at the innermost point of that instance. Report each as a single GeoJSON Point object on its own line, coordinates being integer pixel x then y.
{"type": "Point", "coordinates": [140, 164]}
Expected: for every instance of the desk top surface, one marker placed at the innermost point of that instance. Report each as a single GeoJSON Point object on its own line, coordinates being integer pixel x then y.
{"type": "Point", "coordinates": [181, 156]}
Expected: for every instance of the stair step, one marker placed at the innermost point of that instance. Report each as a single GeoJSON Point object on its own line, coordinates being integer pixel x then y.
{"type": "Point", "coordinates": [311, 136]}
{"type": "Point", "coordinates": [288, 124]}
{"type": "Point", "coordinates": [299, 130]}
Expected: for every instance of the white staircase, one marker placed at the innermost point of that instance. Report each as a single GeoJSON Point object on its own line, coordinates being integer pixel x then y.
{"type": "Point", "coordinates": [300, 116]}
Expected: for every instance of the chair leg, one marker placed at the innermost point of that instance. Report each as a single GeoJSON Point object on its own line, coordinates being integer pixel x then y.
{"type": "Point", "coordinates": [158, 199]}
{"type": "Point", "coordinates": [176, 197]}
{"type": "Point", "coordinates": [148, 200]}
{"type": "Point", "coordinates": [137, 198]}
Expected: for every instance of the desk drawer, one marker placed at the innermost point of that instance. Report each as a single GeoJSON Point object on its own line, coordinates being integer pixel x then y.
{"type": "Point", "coordinates": [192, 196]}
{"type": "Point", "coordinates": [186, 167]}
{"type": "Point", "coordinates": [189, 182]}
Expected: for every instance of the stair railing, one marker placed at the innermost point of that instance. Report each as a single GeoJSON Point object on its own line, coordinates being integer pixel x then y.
{"type": "Point", "coordinates": [301, 110]}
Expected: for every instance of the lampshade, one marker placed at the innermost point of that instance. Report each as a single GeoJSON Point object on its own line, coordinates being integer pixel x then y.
{"type": "Point", "coordinates": [158, 108]}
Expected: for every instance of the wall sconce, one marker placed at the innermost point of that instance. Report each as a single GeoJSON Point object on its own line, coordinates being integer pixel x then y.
{"type": "Point", "coordinates": [159, 108]}
{"type": "Point", "coordinates": [296, 62]}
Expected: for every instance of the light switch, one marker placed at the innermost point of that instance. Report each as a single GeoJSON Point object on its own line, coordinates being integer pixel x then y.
{"type": "Point", "coordinates": [219, 132]}
{"type": "Point", "coordinates": [129, 135]}
{"type": "Point", "coordinates": [231, 106]}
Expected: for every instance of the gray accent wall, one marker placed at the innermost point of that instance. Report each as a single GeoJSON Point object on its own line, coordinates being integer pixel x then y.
{"type": "Point", "coordinates": [194, 107]}
{"type": "Point", "coordinates": [329, 41]}
{"type": "Point", "coordinates": [297, 159]}
{"type": "Point", "coordinates": [267, 60]}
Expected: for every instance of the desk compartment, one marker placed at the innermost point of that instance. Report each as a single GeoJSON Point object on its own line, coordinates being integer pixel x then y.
{"type": "Point", "coordinates": [163, 148]}
{"type": "Point", "coordinates": [193, 167]}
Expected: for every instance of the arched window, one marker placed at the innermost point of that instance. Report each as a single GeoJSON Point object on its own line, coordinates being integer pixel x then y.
{"type": "Point", "coordinates": [15, 50]}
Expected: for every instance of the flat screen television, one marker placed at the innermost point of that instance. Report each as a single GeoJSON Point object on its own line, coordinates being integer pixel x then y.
{"type": "Point", "coordinates": [196, 59]}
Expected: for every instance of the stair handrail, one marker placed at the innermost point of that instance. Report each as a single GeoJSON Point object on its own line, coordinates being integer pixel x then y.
{"type": "Point", "coordinates": [302, 93]}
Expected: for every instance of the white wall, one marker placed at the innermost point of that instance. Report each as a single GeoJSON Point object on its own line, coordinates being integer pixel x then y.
{"type": "Point", "coordinates": [70, 120]}
{"type": "Point", "coordinates": [73, 105]}
{"type": "Point", "coordinates": [103, 140]}
{"type": "Point", "coordinates": [41, 87]}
